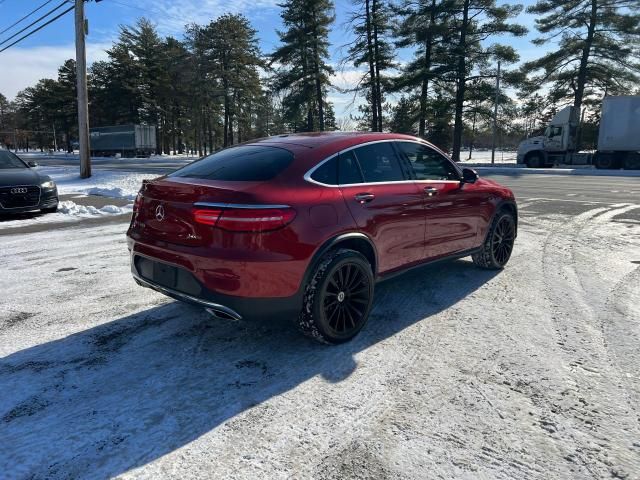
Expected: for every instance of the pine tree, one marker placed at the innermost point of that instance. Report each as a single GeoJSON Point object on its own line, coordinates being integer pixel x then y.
{"type": "Point", "coordinates": [67, 121]}
{"type": "Point", "coordinates": [4, 111]}
{"type": "Point", "coordinates": [425, 26]}
{"type": "Point", "coordinates": [371, 26]}
{"type": "Point", "coordinates": [598, 48]}
{"type": "Point", "coordinates": [403, 117]}
{"type": "Point", "coordinates": [477, 21]}
{"type": "Point", "coordinates": [302, 69]}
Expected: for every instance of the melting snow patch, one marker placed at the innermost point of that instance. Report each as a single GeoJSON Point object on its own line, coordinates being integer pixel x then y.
{"type": "Point", "coordinates": [72, 208]}
{"type": "Point", "coordinates": [68, 211]}
{"type": "Point", "coordinates": [115, 184]}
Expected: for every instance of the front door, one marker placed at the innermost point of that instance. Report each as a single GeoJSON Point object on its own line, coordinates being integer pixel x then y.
{"type": "Point", "coordinates": [384, 202]}
{"type": "Point", "coordinates": [452, 211]}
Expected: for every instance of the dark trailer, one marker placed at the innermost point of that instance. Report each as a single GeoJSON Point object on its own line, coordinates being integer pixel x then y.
{"type": "Point", "coordinates": [127, 140]}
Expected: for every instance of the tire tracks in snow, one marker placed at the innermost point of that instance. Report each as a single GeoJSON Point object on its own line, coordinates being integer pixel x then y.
{"type": "Point", "coordinates": [593, 378]}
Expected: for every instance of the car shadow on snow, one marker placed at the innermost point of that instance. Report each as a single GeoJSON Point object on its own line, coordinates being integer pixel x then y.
{"type": "Point", "coordinates": [20, 216]}
{"type": "Point", "coordinates": [112, 398]}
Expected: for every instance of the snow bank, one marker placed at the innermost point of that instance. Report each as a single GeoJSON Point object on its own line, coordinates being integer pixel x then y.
{"type": "Point", "coordinates": [72, 208]}
{"type": "Point", "coordinates": [106, 183]}
{"type": "Point", "coordinates": [484, 157]}
{"type": "Point", "coordinates": [68, 211]}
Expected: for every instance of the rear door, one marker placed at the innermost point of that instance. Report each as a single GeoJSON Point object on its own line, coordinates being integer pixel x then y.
{"type": "Point", "coordinates": [452, 211]}
{"type": "Point", "coordinates": [384, 202]}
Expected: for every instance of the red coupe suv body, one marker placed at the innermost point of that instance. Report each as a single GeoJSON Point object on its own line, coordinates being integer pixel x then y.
{"type": "Point", "coordinates": [254, 230]}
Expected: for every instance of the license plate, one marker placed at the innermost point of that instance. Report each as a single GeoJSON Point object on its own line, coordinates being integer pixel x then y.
{"type": "Point", "coordinates": [164, 275]}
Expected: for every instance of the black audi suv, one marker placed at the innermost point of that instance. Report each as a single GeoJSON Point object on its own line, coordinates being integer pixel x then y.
{"type": "Point", "coordinates": [23, 189]}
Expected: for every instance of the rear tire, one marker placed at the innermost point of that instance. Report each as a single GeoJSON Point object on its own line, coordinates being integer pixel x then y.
{"type": "Point", "coordinates": [498, 245]}
{"type": "Point", "coordinates": [605, 161]}
{"type": "Point", "coordinates": [632, 162]}
{"type": "Point", "coordinates": [338, 298]}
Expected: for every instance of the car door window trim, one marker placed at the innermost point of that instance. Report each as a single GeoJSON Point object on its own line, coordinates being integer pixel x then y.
{"type": "Point", "coordinates": [307, 176]}
{"type": "Point", "coordinates": [408, 160]}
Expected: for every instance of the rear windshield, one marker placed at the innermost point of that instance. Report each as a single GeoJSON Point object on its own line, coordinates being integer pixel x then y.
{"type": "Point", "coordinates": [246, 163]}
{"type": "Point", "coordinates": [9, 160]}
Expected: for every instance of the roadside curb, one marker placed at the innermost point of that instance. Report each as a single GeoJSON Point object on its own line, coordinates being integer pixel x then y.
{"type": "Point", "coordinates": [558, 171]}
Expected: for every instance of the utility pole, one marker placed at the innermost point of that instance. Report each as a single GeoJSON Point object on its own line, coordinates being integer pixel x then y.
{"type": "Point", "coordinates": [55, 141]}
{"type": "Point", "coordinates": [83, 97]}
{"type": "Point", "coordinates": [495, 117]}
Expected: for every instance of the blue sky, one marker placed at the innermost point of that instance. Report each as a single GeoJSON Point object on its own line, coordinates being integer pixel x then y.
{"type": "Point", "coordinates": [40, 55]}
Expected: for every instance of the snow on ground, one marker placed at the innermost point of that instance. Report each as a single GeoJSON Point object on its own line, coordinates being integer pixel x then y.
{"type": "Point", "coordinates": [68, 211]}
{"type": "Point", "coordinates": [484, 156]}
{"type": "Point", "coordinates": [107, 183]}
{"type": "Point", "coordinates": [531, 372]}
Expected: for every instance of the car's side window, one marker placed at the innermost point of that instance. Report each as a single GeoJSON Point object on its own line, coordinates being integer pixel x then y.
{"type": "Point", "coordinates": [327, 173]}
{"type": "Point", "coordinates": [348, 169]}
{"type": "Point", "coordinates": [379, 163]}
{"type": "Point", "coordinates": [427, 163]}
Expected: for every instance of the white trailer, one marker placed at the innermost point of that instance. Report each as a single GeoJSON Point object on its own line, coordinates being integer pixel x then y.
{"type": "Point", "coordinates": [618, 138]}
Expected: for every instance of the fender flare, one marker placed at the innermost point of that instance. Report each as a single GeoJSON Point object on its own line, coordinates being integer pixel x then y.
{"type": "Point", "coordinates": [332, 242]}
{"type": "Point", "coordinates": [502, 203]}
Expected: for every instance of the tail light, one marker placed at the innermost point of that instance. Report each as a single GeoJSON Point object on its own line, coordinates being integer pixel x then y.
{"type": "Point", "coordinates": [206, 217]}
{"type": "Point", "coordinates": [137, 203]}
{"type": "Point", "coordinates": [246, 219]}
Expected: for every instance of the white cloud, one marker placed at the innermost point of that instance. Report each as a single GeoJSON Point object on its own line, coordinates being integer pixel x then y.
{"type": "Point", "coordinates": [23, 67]}
{"type": "Point", "coordinates": [172, 15]}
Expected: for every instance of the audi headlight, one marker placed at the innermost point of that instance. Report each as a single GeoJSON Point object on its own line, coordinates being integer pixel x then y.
{"type": "Point", "coordinates": [48, 185]}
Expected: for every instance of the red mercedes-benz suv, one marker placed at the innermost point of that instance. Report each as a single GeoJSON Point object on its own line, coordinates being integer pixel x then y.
{"type": "Point", "coordinates": [305, 225]}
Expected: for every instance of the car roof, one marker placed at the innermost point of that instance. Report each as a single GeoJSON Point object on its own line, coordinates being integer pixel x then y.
{"type": "Point", "coordinates": [310, 148]}
{"type": "Point", "coordinates": [331, 141]}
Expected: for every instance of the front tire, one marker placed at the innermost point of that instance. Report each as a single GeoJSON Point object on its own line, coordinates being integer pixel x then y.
{"type": "Point", "coordinates": [338, 298]}
{"type": "Point", "coordinates": [498, 245]}
{"type": "Point", "coordinates": [535, 161]}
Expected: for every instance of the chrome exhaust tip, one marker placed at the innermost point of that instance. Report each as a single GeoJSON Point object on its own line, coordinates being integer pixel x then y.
{"type": "Point", "coordinates": [222, 315]}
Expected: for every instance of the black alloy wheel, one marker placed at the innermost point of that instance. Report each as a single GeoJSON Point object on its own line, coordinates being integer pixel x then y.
{"type": "Point", "coordinates": [498, 245]}
{"type": "Point", "coordinates": [338, 298]}
{"type": "Point", "coordinates": [345, 299]}
{"type": "Point", "coordinates": [502, 240]}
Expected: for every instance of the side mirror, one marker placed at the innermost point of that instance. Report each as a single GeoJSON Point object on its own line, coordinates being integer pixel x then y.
{"type": "Point", "coordinates": [32, 164]}
{"type": "Point", "coordinates": [469, 175]}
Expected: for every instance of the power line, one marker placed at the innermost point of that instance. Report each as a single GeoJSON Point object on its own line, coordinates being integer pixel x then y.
{"type": "Point", "coordinates": [26, 16]}
{"type": "Point", "coordinates": [38, 29]}
{"type": "Point", "coordinates": [34, 22]}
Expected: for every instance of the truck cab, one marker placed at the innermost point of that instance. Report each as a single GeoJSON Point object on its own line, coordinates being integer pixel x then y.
{"type": "Point", "coordinates": [552, 147]}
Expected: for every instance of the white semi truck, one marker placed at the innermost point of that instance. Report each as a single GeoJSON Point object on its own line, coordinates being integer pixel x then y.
{"type": "Point", "coordinates": [618, 138]}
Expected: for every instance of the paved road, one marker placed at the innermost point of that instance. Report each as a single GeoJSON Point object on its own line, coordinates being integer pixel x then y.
{"type": "Point", "coordinates": [570, 194]}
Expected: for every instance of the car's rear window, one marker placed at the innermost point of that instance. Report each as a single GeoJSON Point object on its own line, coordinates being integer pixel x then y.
{"type": "Point", "coordinates": [245, 163]}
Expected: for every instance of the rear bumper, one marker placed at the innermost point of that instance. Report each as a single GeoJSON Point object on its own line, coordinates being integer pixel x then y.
{"type": "Point", "coordinates": [185, 286]}
{"type": "Point", "coordinates": [218, 309]}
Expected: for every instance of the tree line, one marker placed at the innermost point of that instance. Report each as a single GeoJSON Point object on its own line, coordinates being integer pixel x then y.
{"type": "Point", "coordinates": [215, 87]}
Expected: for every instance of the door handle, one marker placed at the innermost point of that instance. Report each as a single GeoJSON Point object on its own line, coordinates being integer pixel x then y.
{"type": "Point", "coordinates": [364, 197]}
{"type": "Point", "coordinates": [430, 191]}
